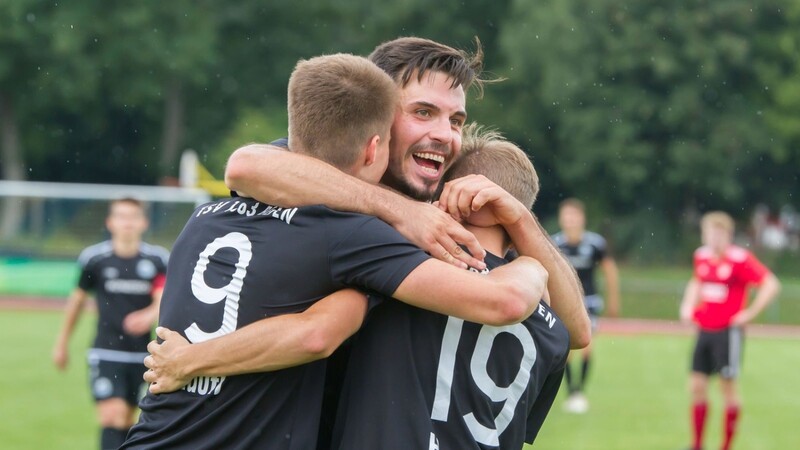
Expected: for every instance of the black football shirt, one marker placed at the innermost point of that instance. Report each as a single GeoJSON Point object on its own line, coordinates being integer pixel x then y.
{"type": "Point", "coordinates": [120, 286]}
{"type": "Point", "coordinates": [584, 257]}
{"type": "Point", "coordinates": [422, 380]}
{"type": "Point", "coordinates": [238, 261]}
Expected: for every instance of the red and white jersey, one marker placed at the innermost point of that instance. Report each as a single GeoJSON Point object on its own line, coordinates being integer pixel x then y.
{"type": "Point", "coordinates": [724, 283]}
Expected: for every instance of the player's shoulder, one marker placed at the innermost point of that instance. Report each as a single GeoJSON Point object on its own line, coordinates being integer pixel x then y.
{"type": "Point", "coordinates": [703, 252]}
{"type": "Point", "coordinates": [737, 254]}
{"type": "Point", "coordinates": [559, 238]}
{"type": "Point", "coordinates": [94, 252]}
{"type": "Point", "coordinates": [594, 239]}
{"type": "Point", "coordinates": [342, 219]}
{"type": "Point", "coordinates": [154, 251]}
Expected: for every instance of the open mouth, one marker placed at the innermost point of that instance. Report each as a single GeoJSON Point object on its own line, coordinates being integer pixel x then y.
{"type": "Point", "coordinates": [430, 163]}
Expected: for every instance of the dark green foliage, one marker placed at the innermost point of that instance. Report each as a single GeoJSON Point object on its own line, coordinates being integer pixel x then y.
{"type": "Point", "coordinates": [651, 112]}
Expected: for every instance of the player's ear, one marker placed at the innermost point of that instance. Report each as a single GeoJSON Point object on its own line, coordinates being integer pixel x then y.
{"type": "Point", "coordinates": [371, 151]}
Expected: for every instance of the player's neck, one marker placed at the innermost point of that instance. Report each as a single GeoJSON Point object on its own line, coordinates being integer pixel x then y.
{"type": "Point", "coordinates": [719, 252]}
{"type": "Point", "coordinates": [492, 239]}
{"type": "Point", "coordinates": [125, 248]}
{"type": "Point", "coordinates": [573, 236]}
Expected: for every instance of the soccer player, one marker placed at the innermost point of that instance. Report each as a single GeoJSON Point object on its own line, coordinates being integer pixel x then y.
{"type": "Point", "coordinates": [422, 380]}
{"type": "Point", "coordinates": [585, 250]}
{"type": "Point", "coordinates": [426, 139]}
{"type": "Point", "coordinates": [716, 301]}
{"type": "Point", "coordinates": [238, 261]}
{"type": "Point", "coordinates": [126, 276]}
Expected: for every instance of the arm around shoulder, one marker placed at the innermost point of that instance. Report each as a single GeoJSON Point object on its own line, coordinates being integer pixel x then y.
{"type": "Point", "coordinates": [507, 295]}
{"type": "Point", "coordinates": [279, 177]}
{"type": "Point", "coordinates": [566, 294]}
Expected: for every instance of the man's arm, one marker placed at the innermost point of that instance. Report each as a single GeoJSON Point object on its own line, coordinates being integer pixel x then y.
{"type": "Point", "coordinates": [72, 313]}
{"type": "Point", "coordinates": [278, 177]}
{"type": "Point", "coordinates": [566, 295]}
{"type": "Point", "coordinates": [269, 344]}
{"type": "Point", "coordinates": [506, 295]}
{"type": "Point", "coordinates": [465, 195]}
{"type": "Point", "coordinates": [611, 274]}
{"type": "Point", "coordinates": [141, 321]}
{"type": "Point", "coordinates": [689, 302]}
{"type": "Point", "coordinates": [768, 290]}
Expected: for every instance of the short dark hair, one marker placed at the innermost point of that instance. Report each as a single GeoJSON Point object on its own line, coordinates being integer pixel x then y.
{"type": "Point", "coordinates": [127, 200]}
{"type": "Point", "coordinates": [404, 56]}
{"type": "Point", "coordinates": [336, 103]}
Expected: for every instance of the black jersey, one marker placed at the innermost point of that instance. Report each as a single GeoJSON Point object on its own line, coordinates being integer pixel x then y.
{"type": "Point", "coordinates": [584, 257]}
{"type": "Point", "coordinates": [238, 261]}
{"type": "Point", "coordinates": [421, 380]}
{"type": "Point", "coordinates": [121, 286]}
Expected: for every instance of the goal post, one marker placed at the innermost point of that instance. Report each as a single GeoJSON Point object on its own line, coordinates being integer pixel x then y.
{"type": "Point", "coordinates": [57, 220]}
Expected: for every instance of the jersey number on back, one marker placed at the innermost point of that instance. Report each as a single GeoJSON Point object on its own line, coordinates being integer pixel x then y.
{"type": "Point", "coordinates": [510, 394]}
{"type": "Point", "coordinates": [229, 293]}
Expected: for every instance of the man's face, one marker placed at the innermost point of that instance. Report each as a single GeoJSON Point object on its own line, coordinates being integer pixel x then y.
{"type": "Point", "coordinates": [571, 219]}
{"type": "Point", "coordinates": [426, 134]}
{"type": "Point", "coordinates": [126, 221]}
{"type": "Point", "coordinates": [715, 236]}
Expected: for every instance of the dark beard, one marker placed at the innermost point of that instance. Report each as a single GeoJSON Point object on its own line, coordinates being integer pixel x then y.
{"type": "Point", "coordinates": [402, 186]}
{"type": "Point", "coordinates": [399, 183]}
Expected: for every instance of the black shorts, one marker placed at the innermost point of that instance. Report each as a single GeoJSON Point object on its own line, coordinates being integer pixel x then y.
{"type": "Point", "coordinates": [112, 379]}
{"type": "Point", "coordinates": [719, 352]}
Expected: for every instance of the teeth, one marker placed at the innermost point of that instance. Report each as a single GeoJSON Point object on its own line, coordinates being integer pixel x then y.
{"type": "Point", "coordinates": [431, 156]}
{"type": "Point", "coordinates": [430, 171]}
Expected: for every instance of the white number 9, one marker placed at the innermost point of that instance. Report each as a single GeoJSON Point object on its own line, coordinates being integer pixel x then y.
{"type": "Point", "coordinates": [229, 293]}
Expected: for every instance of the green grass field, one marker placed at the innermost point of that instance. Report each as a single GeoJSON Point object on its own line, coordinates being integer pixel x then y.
{"type": "Point", "coordinates": [637, 393]}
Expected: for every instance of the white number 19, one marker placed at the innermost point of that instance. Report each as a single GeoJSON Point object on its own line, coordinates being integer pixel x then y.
{"type": "Point", "coordinates": [510, 394]}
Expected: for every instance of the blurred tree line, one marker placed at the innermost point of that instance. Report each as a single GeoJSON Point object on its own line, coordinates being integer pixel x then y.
{"type": "Point", "coordinates": [651, 112]}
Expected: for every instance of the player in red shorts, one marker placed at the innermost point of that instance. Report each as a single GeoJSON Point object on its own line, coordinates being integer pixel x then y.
{"type": "Point", "coordinates": [715, 299]}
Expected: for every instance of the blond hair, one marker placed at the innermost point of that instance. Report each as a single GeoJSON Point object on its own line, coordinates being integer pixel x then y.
{"type": "Point", "coordinates": [486, 152]}
{"type": "Point", "coordinates": [336, 104]}
{"type": "Point", "coordinates": [719, 219]}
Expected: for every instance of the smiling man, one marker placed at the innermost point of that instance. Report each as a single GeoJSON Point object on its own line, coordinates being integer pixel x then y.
{"type": "Point", "coordinates": [428, 124]}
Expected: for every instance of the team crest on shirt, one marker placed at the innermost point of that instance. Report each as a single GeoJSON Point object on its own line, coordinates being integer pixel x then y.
{"type": "Point", "coordinates": [145, 269]}
{"type": "Point", "coordinates": [724, 271]}
{"type": "Point", "coordinates": [110, 273]}
{"type": "Point", "coordinates": [102, 387]}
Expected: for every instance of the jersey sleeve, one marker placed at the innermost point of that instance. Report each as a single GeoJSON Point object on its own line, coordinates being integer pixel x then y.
{"type": "Point", "coordinates": [368, 253]}
{"type": "Point", "coordinates": [161, 261]}
{"type": "Point", "coordinates": [753, 271]}
{"type": "Point", "coordinates": [600, 248]}
{"type": "Point", "coordinates": [87, 278]}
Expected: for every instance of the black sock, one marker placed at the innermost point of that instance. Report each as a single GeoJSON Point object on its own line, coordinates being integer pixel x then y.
{"type": "Point", "coordinates": [584, 371]}
{"type": "Point", "coordinates": [568, 379]}
{"type": "Point", "coordinates": [112, 438]}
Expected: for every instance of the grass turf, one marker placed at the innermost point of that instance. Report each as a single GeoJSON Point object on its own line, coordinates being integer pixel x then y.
{"type": "Point", "coordinates": [637, 393]}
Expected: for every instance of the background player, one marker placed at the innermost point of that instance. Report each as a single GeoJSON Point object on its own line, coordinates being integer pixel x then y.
{"type": "Point", "coordinates": [238, 261]}
{"type": "Point", "coordinates": [418, 379]}
{"type": "Point", "coordinates": [127, 277]}
{"type": "Point", "coordinates": [716, 300]}
{"type": "Point", "coordinates": [585, 250]}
